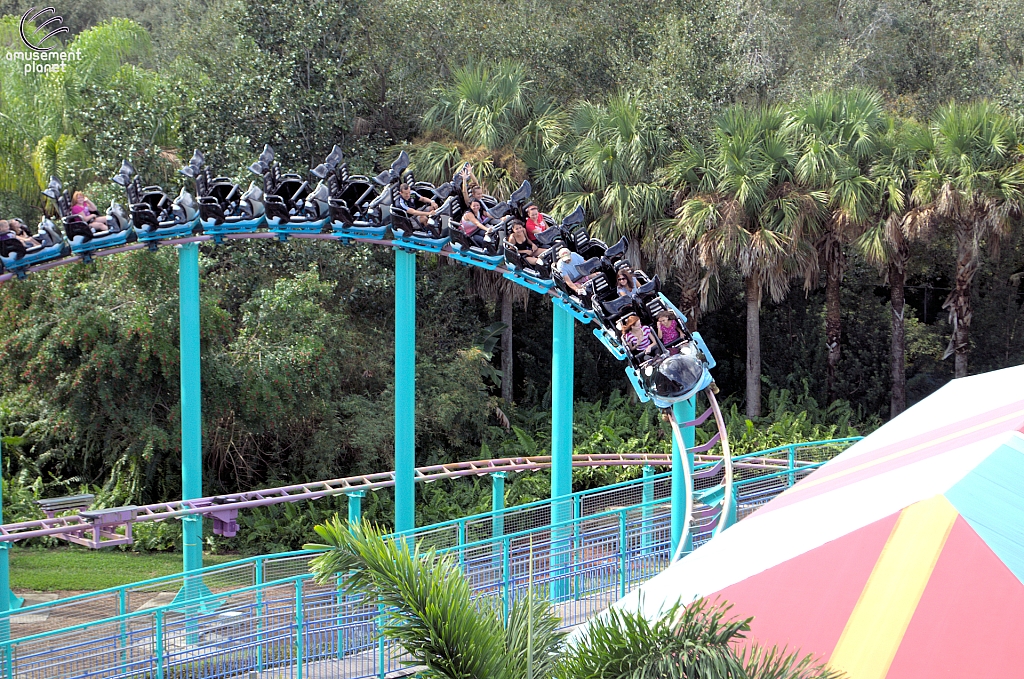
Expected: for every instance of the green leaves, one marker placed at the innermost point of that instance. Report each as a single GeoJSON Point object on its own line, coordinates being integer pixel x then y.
{"type": "Point", "coordinates": [683, 643]}
{"type": "Point", "coordinates": [429, 609]}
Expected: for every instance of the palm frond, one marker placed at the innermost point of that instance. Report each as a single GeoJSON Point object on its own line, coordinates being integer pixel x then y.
{"type": "Point", "coordinates": [774, 663]}
{"type": "Point", "coordinates": [685, 642]}
{"type": "Point", "coordinates": [427, 604]}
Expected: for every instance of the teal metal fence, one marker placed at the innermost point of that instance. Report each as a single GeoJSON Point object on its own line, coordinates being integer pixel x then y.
{"type": "Point", "coordinates": [266, 615]}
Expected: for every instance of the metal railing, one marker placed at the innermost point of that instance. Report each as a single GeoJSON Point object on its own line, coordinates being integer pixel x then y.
{"type": "Point", "coordinates": [282, 624]}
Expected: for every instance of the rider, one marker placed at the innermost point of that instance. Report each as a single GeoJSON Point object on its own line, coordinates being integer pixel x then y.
{"type": "Point", "coordinates": [471, 188]}
{"type": "Point", "coordinates": [474, 223]}
{"type": "Point", "coordinates": [22, 233]}
{"type": "Point", "coordinates": [534, 222]}
{"type": "Point", "coordinates": [568, 261]}
{"type": "Point", "coordinates": [520, 242]}
{"type": "Point", "coordinates": [407, 200]}
{"type": "Point", "coordinates": [84, 208]}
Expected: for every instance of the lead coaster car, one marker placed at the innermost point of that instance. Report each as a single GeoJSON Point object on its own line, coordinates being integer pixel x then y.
{"type": "Point", "coordinates": [223, 209]}
{"type": "Point", "coordinates": [83, 238]}
{"type": "Point", "coordinates": [154, 215]}
{"type": "Point", "coordinates": [678, 374]}
{"type": "Point", "coordinates": [17, 258]}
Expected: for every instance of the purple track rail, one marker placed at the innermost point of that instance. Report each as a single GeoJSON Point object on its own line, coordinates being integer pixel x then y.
{"type": "Point", "coordinates": [77, 524]}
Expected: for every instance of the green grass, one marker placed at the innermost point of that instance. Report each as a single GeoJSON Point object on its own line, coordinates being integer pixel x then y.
{"type": "Point", "coordinates": [71, 569]}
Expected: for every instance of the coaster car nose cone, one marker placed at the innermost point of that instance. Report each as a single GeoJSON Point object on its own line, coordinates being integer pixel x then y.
{"type": "Point", "coordinates": [675, 375]}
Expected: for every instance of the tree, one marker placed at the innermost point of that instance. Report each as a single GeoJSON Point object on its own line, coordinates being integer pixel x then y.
{"type": "Point", "coordinates": [607, 164]}
{"type": "Point", "coordinates": [492, 117]}
{"type": "Point", "coordinates": [886, 243]}
{"type": "Point", "coordinates": [431, 612]}
{"type": "Point", "coordinates": [742, 208]}
{"type": "Point", "coordinates": [973, 182]}
{"type": "Point", "coordinates": [838, 135]}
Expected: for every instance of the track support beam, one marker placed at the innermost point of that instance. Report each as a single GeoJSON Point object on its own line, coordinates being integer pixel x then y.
{"type": "Point", "coordinates": [562, 366]}
{"type": "Point", "coordinates": [405, 390]}
{"type": "Point", "coordinates": [191, 402]}
{"type": "Point", "coordinates": [684, 411]}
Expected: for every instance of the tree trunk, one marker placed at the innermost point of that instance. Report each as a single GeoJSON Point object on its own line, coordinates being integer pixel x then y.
{"type": "Point", "coordinates": [833, 251]}
{"type": "Point", "coordinates": [689, 299]}
{"type": "Point", "coordinates": [959, 300]}
{"type": "Point", "coordinates": [897, 358]}
{"type": "Point", "coordinates": [506, 347]}
{"type": "Point", "coordinates": [753, 346]}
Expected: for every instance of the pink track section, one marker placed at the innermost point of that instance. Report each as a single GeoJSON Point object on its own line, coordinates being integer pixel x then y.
{"type": "Point", "coordinates": [312, 491]}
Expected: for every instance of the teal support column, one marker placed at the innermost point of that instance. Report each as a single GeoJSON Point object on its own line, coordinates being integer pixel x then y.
{"type": "Point", "coordinates": [8, 602]}
{"type": "Point", "coordinates": [191, 406]}
{"type": "Point", "coordinates": [355, 506]}
{"type": "Point", "coordinates": [562, 360]}
{"type": "Point", "coordinates": [647, 526]}
{"type": "Point", "coordinates": [683, 412]}
{"type": "Point", "coordinates": [791, 465]}
{"type": "Point", "coordinates": [405, 390]}
{"type": "Point", "coordinates": [497, 504]}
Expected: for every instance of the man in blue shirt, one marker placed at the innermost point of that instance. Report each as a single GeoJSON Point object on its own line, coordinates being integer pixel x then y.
{"type": "Point", "coordinates": [568, 261]}
{"type": "Point", "coordinates": [407, 200]}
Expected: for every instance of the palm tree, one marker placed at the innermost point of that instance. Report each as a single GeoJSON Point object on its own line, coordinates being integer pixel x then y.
{"type": "Point", "coordinates": [972, 181]}
{"type": "Point", "coordinates": [698, 640]}
{"type": "Point", "coordinates": [492, 117]}
{"type": "Point", "coordinates": [431, 612]}
{"type": "Point", "coordinates": [886, 244]}
{"type": "Point", "coordinates": [41, 131]}
{"type": "Point", "coordinates": [839, 132]}
{"type": "Point", "coordinates": [741, 207]}
{"type": "Point", "coordinates": [608, 164]}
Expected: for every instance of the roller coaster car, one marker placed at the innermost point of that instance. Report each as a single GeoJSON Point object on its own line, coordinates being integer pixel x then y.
{"type": "Point", "coordinates": [493, 252]}
{"type": "Point", "coordinates": [557, 236]}
{"type": "Point", "coordinates": [608, 314]}
{"type": "Point", "coordinates": [291, 206]}
{"type": "Point", "coordinates": [431, 237]}
{"type": "Point", "coordinates": [489, 201]}
{"type": "Point", "coordinates": [579, 301]}
{"type": "Point", "coordinates": [84, 238]}
{"type": "Point", "coordinates": [534, 276]}
{"type": "Point", "coordinates": [362, 207]}
{"type": "Point", "coordinates": [649, 301]}
{"type": "Point", "coordinates": [575, 235]}
{"type": "Point", "coordinates": [154, 215]}
{"type": "Point", "coordinates": [674, 377]}
{"type": "Point", "coordinates": [223, 209]}
{"type": "Point", "coordinates": [16, 257]}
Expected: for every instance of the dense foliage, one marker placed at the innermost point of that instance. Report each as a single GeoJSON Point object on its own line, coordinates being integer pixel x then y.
{"type": "Point", "coordinates": [829, 125]}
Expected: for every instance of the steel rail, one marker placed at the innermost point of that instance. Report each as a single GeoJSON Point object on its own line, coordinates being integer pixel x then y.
{"type": "Point", "coordinates": [162, 511]}
{"type": "Point", "coordinates": [726, 516]}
